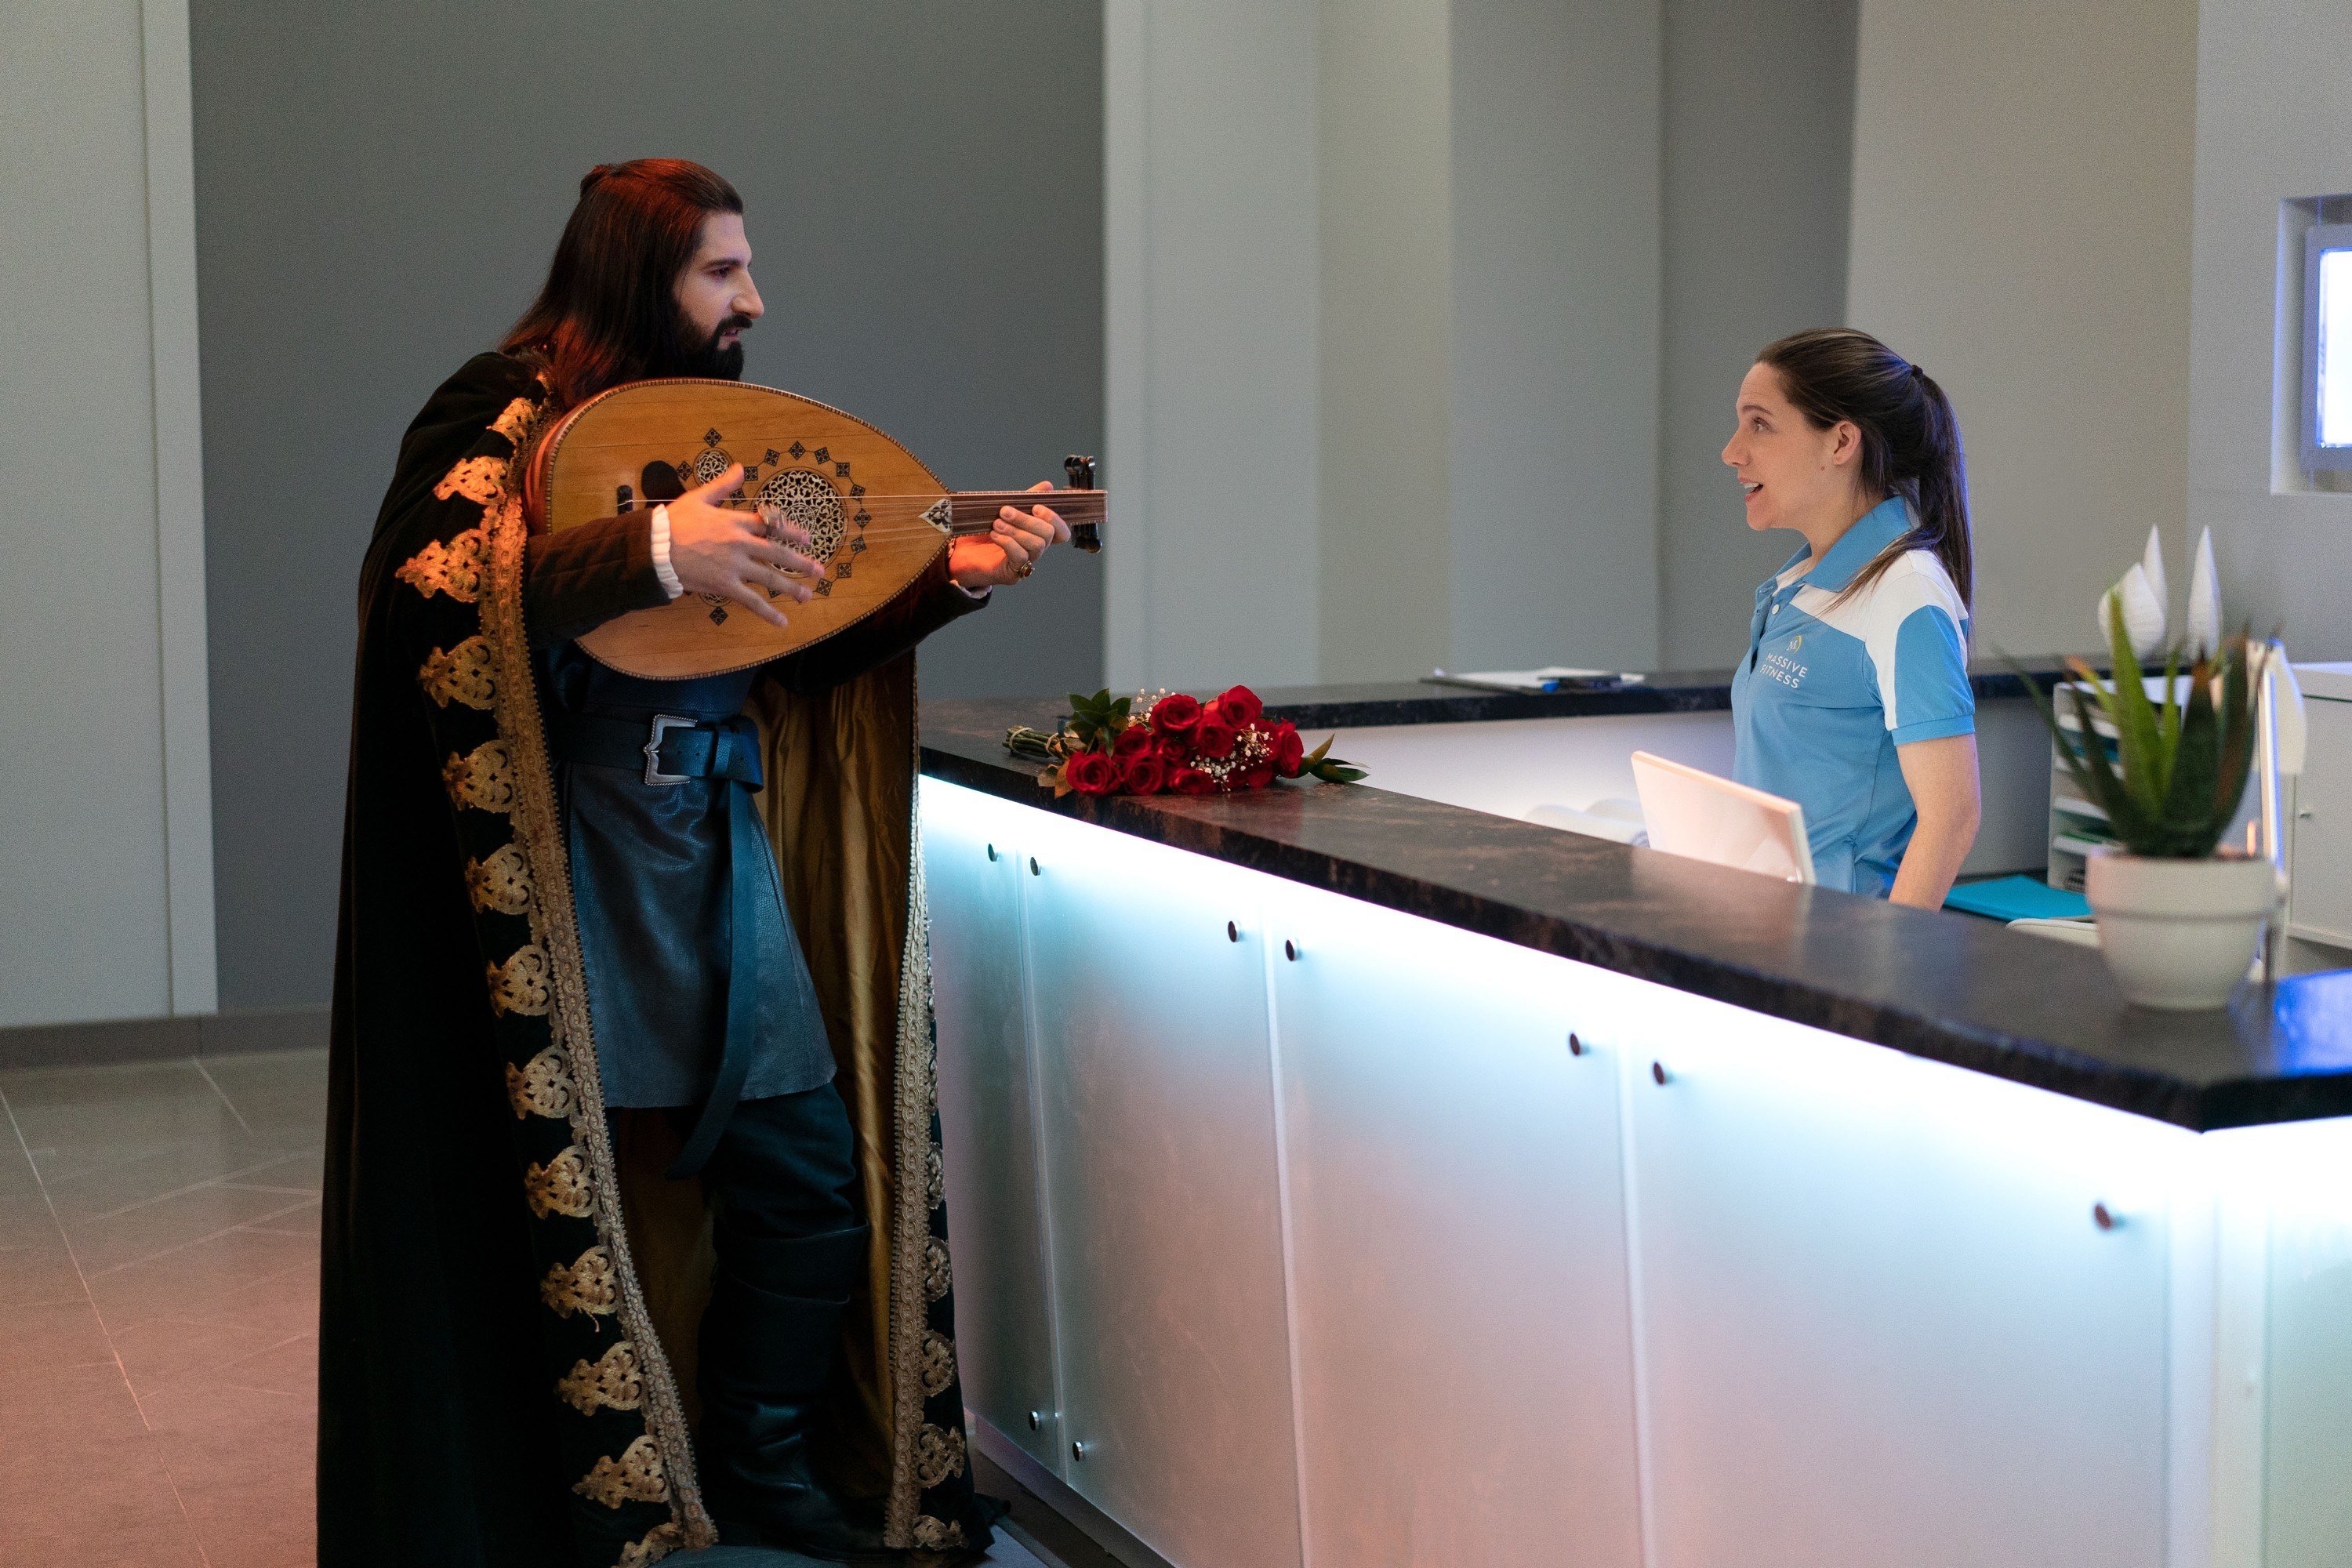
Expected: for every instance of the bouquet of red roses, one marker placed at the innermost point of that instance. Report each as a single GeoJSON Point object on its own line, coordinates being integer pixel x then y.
{"type": "Point", "coordinates": [1172, 742]}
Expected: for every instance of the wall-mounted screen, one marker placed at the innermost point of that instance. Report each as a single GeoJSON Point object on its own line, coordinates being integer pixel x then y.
{"type": "Point", "coordinates": [2327, 347]}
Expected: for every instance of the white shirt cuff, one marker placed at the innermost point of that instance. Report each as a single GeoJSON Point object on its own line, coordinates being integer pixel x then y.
{"type": "Point", "coordinates": [662, 568]}
{"type": "Point", "coordinates": [979, 597]}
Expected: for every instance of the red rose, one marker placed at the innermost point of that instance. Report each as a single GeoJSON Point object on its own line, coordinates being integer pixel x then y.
{"type": "Point", "coordinates": [1288, 750]}
{"type": "Point", "coordinates": [1133, 739]}
{"type": "Point", "coordinates": [1212, 737]}
{"type": "Point", "coordinates": [1258, 777]}
{"type": "Point", "coordinates": [1091, 772]}
{"type": "Point", "coordinates": [1145, 774]}
{"type": "Point", "coordinates": [1240, 706]}
{"type": "Point", "coordinates": [1191, 780]}
{"type": "Point", "coordinates": [1175, 714]}
{"type": "Point", "coordinates": [1175, 751]}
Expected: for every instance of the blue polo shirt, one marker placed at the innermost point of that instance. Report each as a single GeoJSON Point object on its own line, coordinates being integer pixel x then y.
{"type": "Point", "coordinates": [1829, 691]}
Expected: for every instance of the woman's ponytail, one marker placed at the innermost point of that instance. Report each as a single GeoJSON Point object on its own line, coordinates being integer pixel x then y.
{"type": "Point", "coordinates": [1910, 440]}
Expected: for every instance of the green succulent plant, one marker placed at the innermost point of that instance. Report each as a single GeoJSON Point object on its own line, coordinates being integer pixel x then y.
{"type": "Point", "coordinates": [2179, 768]}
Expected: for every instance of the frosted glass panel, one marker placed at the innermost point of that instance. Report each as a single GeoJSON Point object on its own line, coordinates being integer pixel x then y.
{"type": "Point", "coordinates": [1457, 1229]}
{"type": "Point", "coordinates": [1881, 1324]}
{"type": "Point", "coordinates": [1162, 1195]}
{"type": "Point", "coordinates": [2334, 348]}
{"type": "Point", "coordinates": [1005, 1342]}
{"type": "Point", "coordinates": [2307, 1448]}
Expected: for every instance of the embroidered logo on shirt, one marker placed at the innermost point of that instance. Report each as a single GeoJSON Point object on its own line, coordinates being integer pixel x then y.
{"type": "Point", "coordinates": [1784, 670]}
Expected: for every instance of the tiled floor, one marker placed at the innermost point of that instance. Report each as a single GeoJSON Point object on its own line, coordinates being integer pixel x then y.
{"type": "Point", "coordinates": [159, 1299]}
{"type": "Point", "coordinates": [159, 1289]}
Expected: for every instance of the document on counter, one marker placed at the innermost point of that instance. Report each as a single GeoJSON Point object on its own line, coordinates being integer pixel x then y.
{"type": "Point", "coordinates": [1551, 678]}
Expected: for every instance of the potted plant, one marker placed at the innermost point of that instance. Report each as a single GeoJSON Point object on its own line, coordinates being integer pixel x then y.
{"type": "Point", "coordinates": [2177, 912]}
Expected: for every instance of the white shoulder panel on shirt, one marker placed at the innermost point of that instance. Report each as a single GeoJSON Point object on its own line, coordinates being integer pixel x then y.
{"type": "Point", "coordinates": [1874, 617]}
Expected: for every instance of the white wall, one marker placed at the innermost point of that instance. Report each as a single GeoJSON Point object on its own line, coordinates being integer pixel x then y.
{"type": "Point", "coordinates": [1382, 350]}
{"type": "Point", "coordinates": [2273, 123]}
{"type": "Point", "coordinates": [1212, 367]}
{"type": "Point", "coordinates": [105, 807]}
{"type": "Point", "coordinates": [2021, 200]}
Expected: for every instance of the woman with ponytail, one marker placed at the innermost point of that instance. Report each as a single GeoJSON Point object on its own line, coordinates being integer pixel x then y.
{"type": "Point", "coordinates": [1853, 696]}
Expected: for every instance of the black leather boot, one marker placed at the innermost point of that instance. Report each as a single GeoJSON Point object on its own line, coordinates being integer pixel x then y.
{"type": "Point", "coordinates": [765, 1355]}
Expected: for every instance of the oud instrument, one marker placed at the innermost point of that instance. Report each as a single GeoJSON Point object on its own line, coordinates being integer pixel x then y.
{"type": "Point", "coordinates": [875, 515]}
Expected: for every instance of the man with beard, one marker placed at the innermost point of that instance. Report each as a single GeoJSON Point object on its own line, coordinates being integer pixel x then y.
{"type": "Point", "coordinates": [588, 1167]}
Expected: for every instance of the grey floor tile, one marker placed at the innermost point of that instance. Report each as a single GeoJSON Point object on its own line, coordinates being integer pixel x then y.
{"type": "Point", "coordinates": [281, 1095]}
{"type": "Point", "coordinates": [158, 1228]}
{"type": "Point", "coordinates": [222, 1278]}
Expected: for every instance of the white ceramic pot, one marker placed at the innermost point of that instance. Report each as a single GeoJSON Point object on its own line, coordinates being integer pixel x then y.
{"type": "Point", "coordinates": [2179, 934]}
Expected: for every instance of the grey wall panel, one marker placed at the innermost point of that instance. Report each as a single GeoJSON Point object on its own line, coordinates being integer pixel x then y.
{"type": "Point", "coordinates": [378, 191]}
{"type": "Point", "coordinates": [1553, 458]}
{"type": "Point", "coordinates": [1759, 163]}
{"type": "Point", "coordinates": [82, 893]}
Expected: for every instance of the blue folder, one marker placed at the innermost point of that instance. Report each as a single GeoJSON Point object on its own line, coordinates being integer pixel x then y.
{"type": "Point", "coordinates": [2018, 898]}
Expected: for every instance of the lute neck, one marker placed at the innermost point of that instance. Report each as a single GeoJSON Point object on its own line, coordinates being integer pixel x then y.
{"type": "Point", "coordinates": [975, 512]}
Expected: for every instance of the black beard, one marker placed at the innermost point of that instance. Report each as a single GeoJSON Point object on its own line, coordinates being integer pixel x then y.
{"type": "Point", "coordinates": [707, 358]}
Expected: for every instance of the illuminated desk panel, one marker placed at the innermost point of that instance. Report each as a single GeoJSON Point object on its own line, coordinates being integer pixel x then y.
{"type": "Point", "coordinates": [1305, 1221]}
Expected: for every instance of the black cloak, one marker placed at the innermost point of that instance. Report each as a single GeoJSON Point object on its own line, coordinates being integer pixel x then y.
{"type": "Point", "coordinates": [509, 1290]}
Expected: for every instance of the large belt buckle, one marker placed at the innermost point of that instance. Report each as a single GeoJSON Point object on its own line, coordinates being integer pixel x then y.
{"type": "Point", "coordinates": [663, 724]}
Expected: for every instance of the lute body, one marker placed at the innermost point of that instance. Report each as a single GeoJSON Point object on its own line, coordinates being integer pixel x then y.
{"type": "Point", "coordinates": [875, 515]}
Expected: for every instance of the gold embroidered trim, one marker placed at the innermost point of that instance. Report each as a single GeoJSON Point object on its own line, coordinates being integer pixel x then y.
{"type": "Point", "coordinates": [939, 1279]}
{"type": "Point", "coordinates": [520, 984]}
{"type": "Point", "coordinates": [484, 778]}
{"type": "Point", "coordinates": [938, 1363]}
{"type": "Point", "coordinates": [478, 479]}
{"type": "Point", "coordinates": [460, 675]}
{"type": "Point", "coordinates": [455, 568]}
{"type": "Point", "coordinates": [933, 1535]}
{"type": "Point", "coordinates": [515, 420]}
{"type": "Point", "coordinates": [559, 1186]}
{"type": "Point", "coordinates": [538, 830]}
{"type": "Point", "coordinates": [939, 1455]}
{"type": "Point", "coordinates": [635, 1476]}
{"type": "Point", "coordinates": [502, 882]}
{"type": "Point", "coordinates": [541, 1086]}
{"type": "Point", "coordinates": [919, 1263]}
{"type": "Point", "coordinates": [613, 1381]}
{"type": "Point", "coordinates": [587, 1284]}
{"type": "Point", "coordinates": [658, 1543]}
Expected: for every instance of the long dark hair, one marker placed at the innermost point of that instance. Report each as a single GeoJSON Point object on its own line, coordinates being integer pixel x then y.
{"type": "Point", "coordinates": [1910, 439]}
{"type": "Point", "coordinates": [609, 310]}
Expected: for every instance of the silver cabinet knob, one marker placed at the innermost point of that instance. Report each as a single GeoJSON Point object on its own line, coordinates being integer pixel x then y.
{"type": "Point", "coordinates": [1078, 1453]}
{"type": "Point", "coordinates": [1033, 866]}
{"type": "Point", "coordinates": [1036, 1421]}
{"type": "Point", "coordinates": [991, 852]}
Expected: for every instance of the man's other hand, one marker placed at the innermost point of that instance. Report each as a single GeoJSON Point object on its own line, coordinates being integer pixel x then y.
{"type": "Point", "coordinates": [1011, 548]}
{"type": "Point", "coordinates": [722, 550]}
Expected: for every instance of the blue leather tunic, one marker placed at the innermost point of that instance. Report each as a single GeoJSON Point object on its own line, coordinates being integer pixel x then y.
{"type": "Point", "coordinates": [657, 927]}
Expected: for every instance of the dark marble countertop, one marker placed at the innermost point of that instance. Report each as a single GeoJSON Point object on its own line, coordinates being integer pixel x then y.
{"type": "Point", "coordinates": [1946, 986]}
{"type": "Point", "coordinates": [1667, 691]}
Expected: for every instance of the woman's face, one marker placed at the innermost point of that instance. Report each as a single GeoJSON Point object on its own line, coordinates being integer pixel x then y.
{"type": "Point", "coordinates": [1792, 474]}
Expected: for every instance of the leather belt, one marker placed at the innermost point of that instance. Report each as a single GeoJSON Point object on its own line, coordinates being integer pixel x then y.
{"type": "Point", "coordinates": [666, 751]}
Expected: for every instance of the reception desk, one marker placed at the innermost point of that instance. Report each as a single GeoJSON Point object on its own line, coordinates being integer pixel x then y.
{"type": "Point", "coordinates": [1341, 1176]}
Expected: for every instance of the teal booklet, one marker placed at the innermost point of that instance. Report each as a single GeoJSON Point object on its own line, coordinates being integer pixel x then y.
{"type": "Point", "coordinates": [2018, 898]}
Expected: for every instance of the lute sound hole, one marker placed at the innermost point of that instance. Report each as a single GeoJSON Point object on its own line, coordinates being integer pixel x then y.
{"type": "Point", "coordinates": [809, 503]}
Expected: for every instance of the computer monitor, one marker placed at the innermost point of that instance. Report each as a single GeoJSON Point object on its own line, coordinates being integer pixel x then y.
{"type": "Point", "coordinates": [1693, 813]}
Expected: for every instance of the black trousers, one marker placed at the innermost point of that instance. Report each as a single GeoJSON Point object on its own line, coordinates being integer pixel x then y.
{"type": "Point", "coordinates": [789, 1249]}
{"type": "Point", "coordinates": [783, 1172]}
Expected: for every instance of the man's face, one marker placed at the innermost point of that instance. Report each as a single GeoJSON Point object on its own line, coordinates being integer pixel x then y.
{"type": "Point", "coordinates": [718, 298]}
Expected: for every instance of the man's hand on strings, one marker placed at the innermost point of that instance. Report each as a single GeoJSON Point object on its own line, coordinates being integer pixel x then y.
{"type": "Point", "coordinates": [1011, 550]}
{"type": "Point", "coordinates": [722, 550]}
